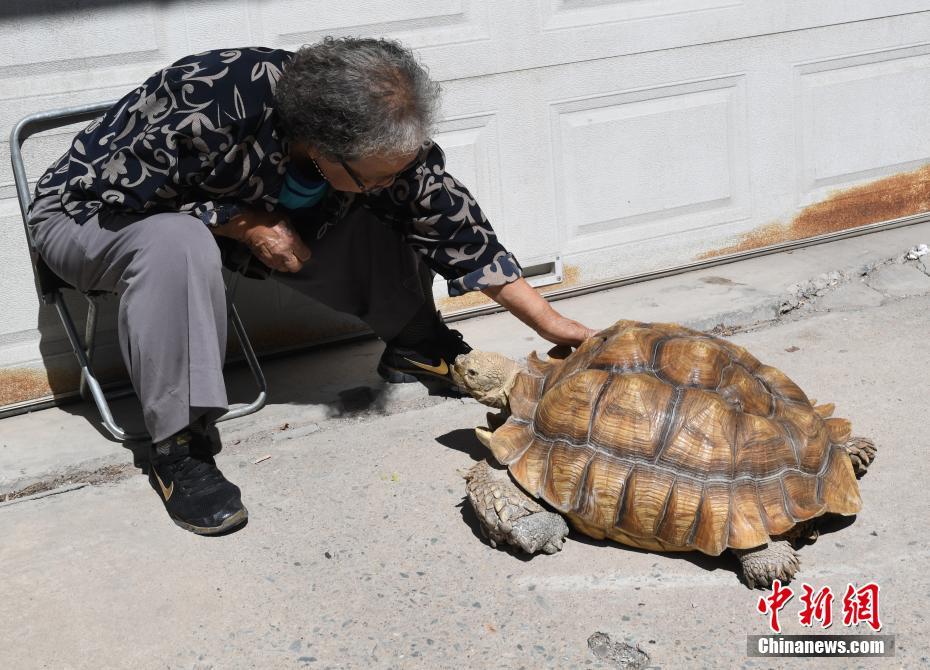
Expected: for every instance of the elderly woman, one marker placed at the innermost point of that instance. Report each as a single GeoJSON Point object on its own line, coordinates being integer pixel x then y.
{"type": "Point", "coordinates": [319, 162]}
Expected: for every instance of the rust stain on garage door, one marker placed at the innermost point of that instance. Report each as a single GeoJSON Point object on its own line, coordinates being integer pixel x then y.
{"type": "Point", "coordinates": [21, 384]}
{"type": "Point", "coordinates": [28, 382]}
{"type": "Point", "coordinates": [893, 197]}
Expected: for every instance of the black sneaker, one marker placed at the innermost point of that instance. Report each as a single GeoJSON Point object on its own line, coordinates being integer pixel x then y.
{"type": "Point", "coordinates": [196, 495]}
{"type": "Point", "coordinates": [430, 360]}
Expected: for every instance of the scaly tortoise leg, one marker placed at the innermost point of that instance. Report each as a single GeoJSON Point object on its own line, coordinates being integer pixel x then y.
{"type": "Point", "coordinates": [508, 515]}
{"type": "Point", "coordinates": [762, 565]}
{"type": "Point", "coordinates": [861, 452]}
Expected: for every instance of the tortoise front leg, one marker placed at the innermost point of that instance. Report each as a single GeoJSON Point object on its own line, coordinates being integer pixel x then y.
{"type": "Point", "coordinates": [762, 565]}
{"type": "Point", "coordinates": [507, 514]}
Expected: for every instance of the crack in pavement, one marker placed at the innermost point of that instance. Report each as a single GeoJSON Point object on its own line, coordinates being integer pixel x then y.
{"type": "Point", "coordinates": [67, 482]}
{"type": "Point", "coordinates": [807, 293]}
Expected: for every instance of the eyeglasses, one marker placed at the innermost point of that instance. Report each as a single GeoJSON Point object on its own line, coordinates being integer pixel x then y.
{"type": "Point", "coordinates": [420, 158]}
{"type": "Point", "coordinates": [358, 180]}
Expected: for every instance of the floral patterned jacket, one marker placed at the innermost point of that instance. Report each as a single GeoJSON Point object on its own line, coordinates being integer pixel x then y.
{"type": "Point", "coordinates": [201, 136]}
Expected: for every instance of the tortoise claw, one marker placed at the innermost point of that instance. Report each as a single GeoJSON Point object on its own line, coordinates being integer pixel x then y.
{"type": "Point", "coordinates": [484, 436]}
{"type": "Point", "coordinates": [861, 452]}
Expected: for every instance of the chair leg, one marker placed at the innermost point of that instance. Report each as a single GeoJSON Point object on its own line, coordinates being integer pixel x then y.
{"type": "Point", "coordinates": [88, 377]}
{"type": "Point", "coordinates": [90, 335]}
{"type": "Point", "coordinates": [89, 384]}
{"type": "Point", "coordinates": [257, 373]}
{"type": "Point", "coordinates": [249, 354]}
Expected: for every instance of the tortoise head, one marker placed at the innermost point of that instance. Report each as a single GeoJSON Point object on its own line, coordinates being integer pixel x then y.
{"type": "Point", "coordinates": [486, 376]}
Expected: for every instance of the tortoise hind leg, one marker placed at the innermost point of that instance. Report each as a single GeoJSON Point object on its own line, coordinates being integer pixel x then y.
{"type": "Point", "coordinates": [861, 452]}
{"type": "Point", "coordinates": [762, 565]}
{"type": "Point", "coordinates": [507, 514]}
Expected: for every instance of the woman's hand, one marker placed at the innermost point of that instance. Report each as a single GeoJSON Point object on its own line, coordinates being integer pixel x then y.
{"type": "Point", "coordinates": [562, 330]}
{"type": "Point", "coordinates": [522, 300]}
{"type": "Point", "coordinates": [270, 236]}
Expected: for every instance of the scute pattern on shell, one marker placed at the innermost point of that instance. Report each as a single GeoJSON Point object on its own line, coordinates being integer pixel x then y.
{"type": "Point", "coordinates": [666, 438]}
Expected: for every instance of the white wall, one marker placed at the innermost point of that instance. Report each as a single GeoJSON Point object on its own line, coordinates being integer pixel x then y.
{"type": "Point", "coordinates": [623, 135]}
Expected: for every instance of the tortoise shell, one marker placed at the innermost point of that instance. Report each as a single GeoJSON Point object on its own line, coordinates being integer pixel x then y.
{"type": "Point", "coordinates": [665, 438]}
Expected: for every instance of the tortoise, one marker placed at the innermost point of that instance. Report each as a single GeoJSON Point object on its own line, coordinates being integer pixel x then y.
{"type": "Point", "coordinates": [663, 438]}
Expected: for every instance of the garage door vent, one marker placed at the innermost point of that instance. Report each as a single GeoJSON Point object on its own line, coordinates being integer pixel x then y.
{"type": "Point", "coordinates": [544, 274]}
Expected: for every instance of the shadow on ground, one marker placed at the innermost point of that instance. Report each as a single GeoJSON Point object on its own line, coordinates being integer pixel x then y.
{"type": "Point", "coordinates": [464, 440]}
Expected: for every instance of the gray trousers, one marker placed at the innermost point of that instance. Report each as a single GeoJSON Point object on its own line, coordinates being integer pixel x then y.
{"type": "Point", "coordinates": [166, 270]}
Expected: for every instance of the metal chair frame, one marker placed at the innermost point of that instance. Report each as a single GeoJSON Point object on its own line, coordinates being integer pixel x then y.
{"type": "Point", "coordinates": [49, 285]}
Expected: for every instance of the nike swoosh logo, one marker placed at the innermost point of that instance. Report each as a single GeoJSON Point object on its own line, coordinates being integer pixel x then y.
{"type": "Point", "coordinates": [166, 491]}
{"type": "Point", "coordinates": [442, 369]}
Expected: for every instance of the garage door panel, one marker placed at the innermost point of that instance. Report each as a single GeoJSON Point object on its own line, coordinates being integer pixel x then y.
{"type": "Point", "coordinates": [471, 145]}
{"type": "Point", "coordinates": [579, 13]}
{"type": "Point", "coordinates": [863, 117]}
{"type": "Point", "coordinates": [627, 160]}
{"type": "Point", "coordinates": [54, 39]}
{"type": "Point", "coordinates": [419, 23]}
{"type": "Point", "coordinates": [637, 164]}
{"type": "Point", "coordinates": [508, 115]}
{"type": "Point", "coordinates": [577, 30]}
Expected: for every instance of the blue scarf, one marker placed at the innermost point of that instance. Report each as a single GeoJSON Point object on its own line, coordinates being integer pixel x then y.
{"type": "Point", "coordinates": [299, 192]}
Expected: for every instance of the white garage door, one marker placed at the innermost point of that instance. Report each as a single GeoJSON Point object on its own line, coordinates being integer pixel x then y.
{"type": "Point", "coordinates": [619, 136]}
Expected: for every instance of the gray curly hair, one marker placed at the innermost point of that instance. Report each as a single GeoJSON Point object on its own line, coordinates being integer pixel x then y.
{"type": "Point", "coordinates": [356, 97]}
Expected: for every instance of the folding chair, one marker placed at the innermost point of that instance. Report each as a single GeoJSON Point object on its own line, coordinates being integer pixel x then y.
{"type": "Point", "coordinates": [49, 285]}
